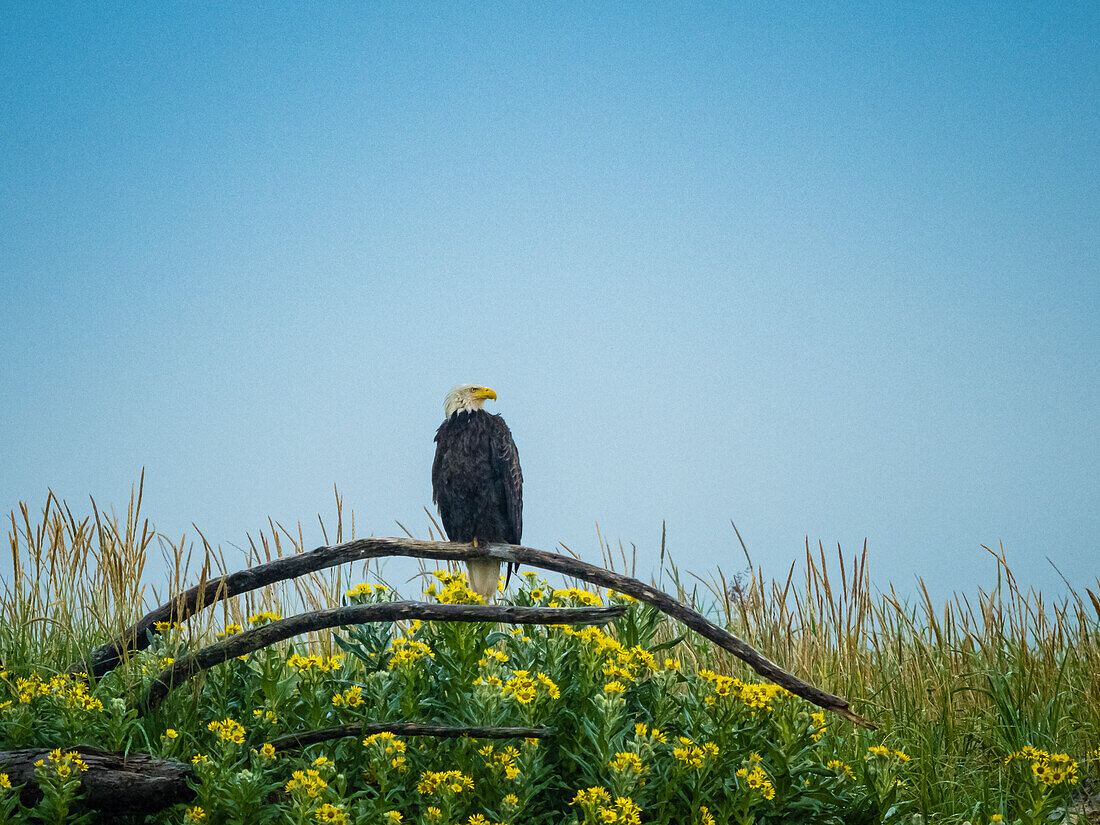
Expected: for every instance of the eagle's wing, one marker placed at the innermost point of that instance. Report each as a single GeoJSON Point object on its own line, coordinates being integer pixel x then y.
{"type": "Point", "coordinates": [441, 496]}
{"type": "Point", "coordinates": [505, 460]}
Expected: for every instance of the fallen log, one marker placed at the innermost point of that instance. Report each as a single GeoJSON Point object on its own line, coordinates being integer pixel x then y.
{"type": "Point", "coordinates": [136, 783]}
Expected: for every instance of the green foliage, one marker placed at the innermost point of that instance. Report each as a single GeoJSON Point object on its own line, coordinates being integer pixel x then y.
{"type": "Point", "coordinates": [990, 719]}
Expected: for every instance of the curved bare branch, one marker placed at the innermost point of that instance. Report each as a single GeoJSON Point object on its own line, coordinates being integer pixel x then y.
{"type": "Point", "coordinates": [242, 643]}
{"type": "Point", "coordinates": [312, 737]}
{"type": "Point", "coordinates": [179, 609]}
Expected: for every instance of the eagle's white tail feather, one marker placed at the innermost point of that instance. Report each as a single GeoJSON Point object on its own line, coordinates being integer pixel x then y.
{"type": "Point", "coordinates": [484, 578]}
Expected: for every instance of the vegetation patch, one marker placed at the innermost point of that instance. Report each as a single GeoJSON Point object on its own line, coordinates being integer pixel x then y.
{"type": "Point", "coordinates": [984, 714]}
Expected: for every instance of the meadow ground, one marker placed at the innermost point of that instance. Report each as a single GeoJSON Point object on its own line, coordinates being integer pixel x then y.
{"type": "Point", "coordinates": [987, 707]}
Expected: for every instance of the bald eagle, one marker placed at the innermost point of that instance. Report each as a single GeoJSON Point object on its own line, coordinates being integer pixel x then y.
{"type": "Point", "coordinates": [476, 480]}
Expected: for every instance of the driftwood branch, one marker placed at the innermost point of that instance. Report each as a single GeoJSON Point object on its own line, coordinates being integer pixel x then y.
{"type": "Point", "coordinates": [179, 609]}
{"type": "Point", "coordinates": [306, 738]}
{"type": "Point", "coordinates": [239, 644]}
{"type": "Point", "coordinates": [113, 784]}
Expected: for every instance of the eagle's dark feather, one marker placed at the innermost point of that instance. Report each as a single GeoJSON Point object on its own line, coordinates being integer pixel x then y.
{"type": "Point", "coordinates": [476, 479]}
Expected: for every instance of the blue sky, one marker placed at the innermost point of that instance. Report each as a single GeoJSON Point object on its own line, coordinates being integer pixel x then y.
{"type": "Point", "coordinates": [824, 270]}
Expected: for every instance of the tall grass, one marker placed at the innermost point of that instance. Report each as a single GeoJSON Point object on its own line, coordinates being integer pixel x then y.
{"type": "Point", "coordinates": [957, 685]}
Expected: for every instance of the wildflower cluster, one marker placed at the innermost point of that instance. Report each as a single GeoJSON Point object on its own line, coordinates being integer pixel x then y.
{"type": "Point", "coordinates": [60, 764]}
{"type": "Point", "coordinates": [387, 749]}
{"type": "Point", "coordinates": [68, 691]}
{"type": "Point", "coordinates": [756, 778]}
{"type": "Point", "coordinates": [409, 652]}
{"type": "Point", "coordinates": [693, 756]}
{"type": "Point", "coordinates": [573, 597]}
{"type": "Point", "coordinates": [502, 762]}
{"type": "Point", "coordinates": [629, 762]}
{"type": "Point", "coordinates": [314, 663]}
{"type": "Point", "coordinates": [643, 732]}
{"type": "Point", "coordinates": [228, 730]}
{"type": "Point", "coordinates": [455, 590]}
{"type": "Point", "coordinates": [433, 783]}
{"type": "Point", "coordinates": [58, 778]}
{"type": "Point", "coordinates": [602, 654]}
{"type": "Point", "coordinates": [599, 807]}
{"type": "Point", "coordinates": [840, 768]}
{"type": "Point", "coordinates": [308, 782]}
{"type": "Point", "coordinates": [268, 717]}
{"type": "Point", "coordinates": [350, 698]}
{"type": "Point", "coordinates": [447, 788]}
{"type": "Point", "coordinates": [525, 688]}
{"type": "Point", "coordinates": [1048, 768]}
{"type": "Point", "coordinates": [885, 752]}
{"type": "Point", "coordinates": [817, 721]}
{"type": "Point", "coordinates": [755, 696]}
{"type": "Point", "coordinates": [364, 592]}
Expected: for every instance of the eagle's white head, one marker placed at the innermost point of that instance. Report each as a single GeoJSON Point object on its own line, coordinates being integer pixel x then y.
{"type": "Point", "coordinates": [466, 398]}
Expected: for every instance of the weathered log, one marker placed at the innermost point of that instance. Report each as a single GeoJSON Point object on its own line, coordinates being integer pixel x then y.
{"type": "Point", "coordinates": [239, 644]}
{"type": "Point", "coordinates": [178, 609]}
{"type": "Point", "coordinates": [312, 737]}
{"type": "Point", "coordinates": [136, 783]}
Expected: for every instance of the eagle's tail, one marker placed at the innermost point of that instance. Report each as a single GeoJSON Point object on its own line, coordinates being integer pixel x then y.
{"type": "Point", "coordinates": [484, 578]}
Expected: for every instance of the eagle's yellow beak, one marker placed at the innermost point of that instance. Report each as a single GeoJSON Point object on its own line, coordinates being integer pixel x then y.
{"type": "Point", "coordinates": [485, 392]}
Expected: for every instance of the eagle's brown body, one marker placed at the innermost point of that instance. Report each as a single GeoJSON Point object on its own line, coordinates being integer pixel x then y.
{"type": "Point", "coordinates": [478, 487]}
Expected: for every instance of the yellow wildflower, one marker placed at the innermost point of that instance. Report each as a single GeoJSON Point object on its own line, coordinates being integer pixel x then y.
{"type": "Point", "coordinates": [757, 779]}
{"type": "Point", "coordinates": [631, 762]}
{"type": "Point", "coordinates": [409, 652]}
{"type": "Point", "coordinates": [840, 767]}
{"type": "Point", "coordinates": [432, 783]}
{"type": "Point", "coordinates": [228, 730]}
{"type": "Point", "coordinates": [309, 781]}
{"type": "Point", "coordinates": [818, 722]}
{"type": "Point", "coordinates": [695, 756]}
{"type": "Point", "coordinates": [880, 750]}
{"type": "Point", "coordinates": [331, 813]}
{"type": "Point", "coordinates": [363, 589]}
{"type": "Point", "coordinates": [590, 796]}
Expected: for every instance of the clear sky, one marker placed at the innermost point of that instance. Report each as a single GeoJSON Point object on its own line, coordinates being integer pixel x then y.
{"type": "Point", "coordinates": [824, 270]}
